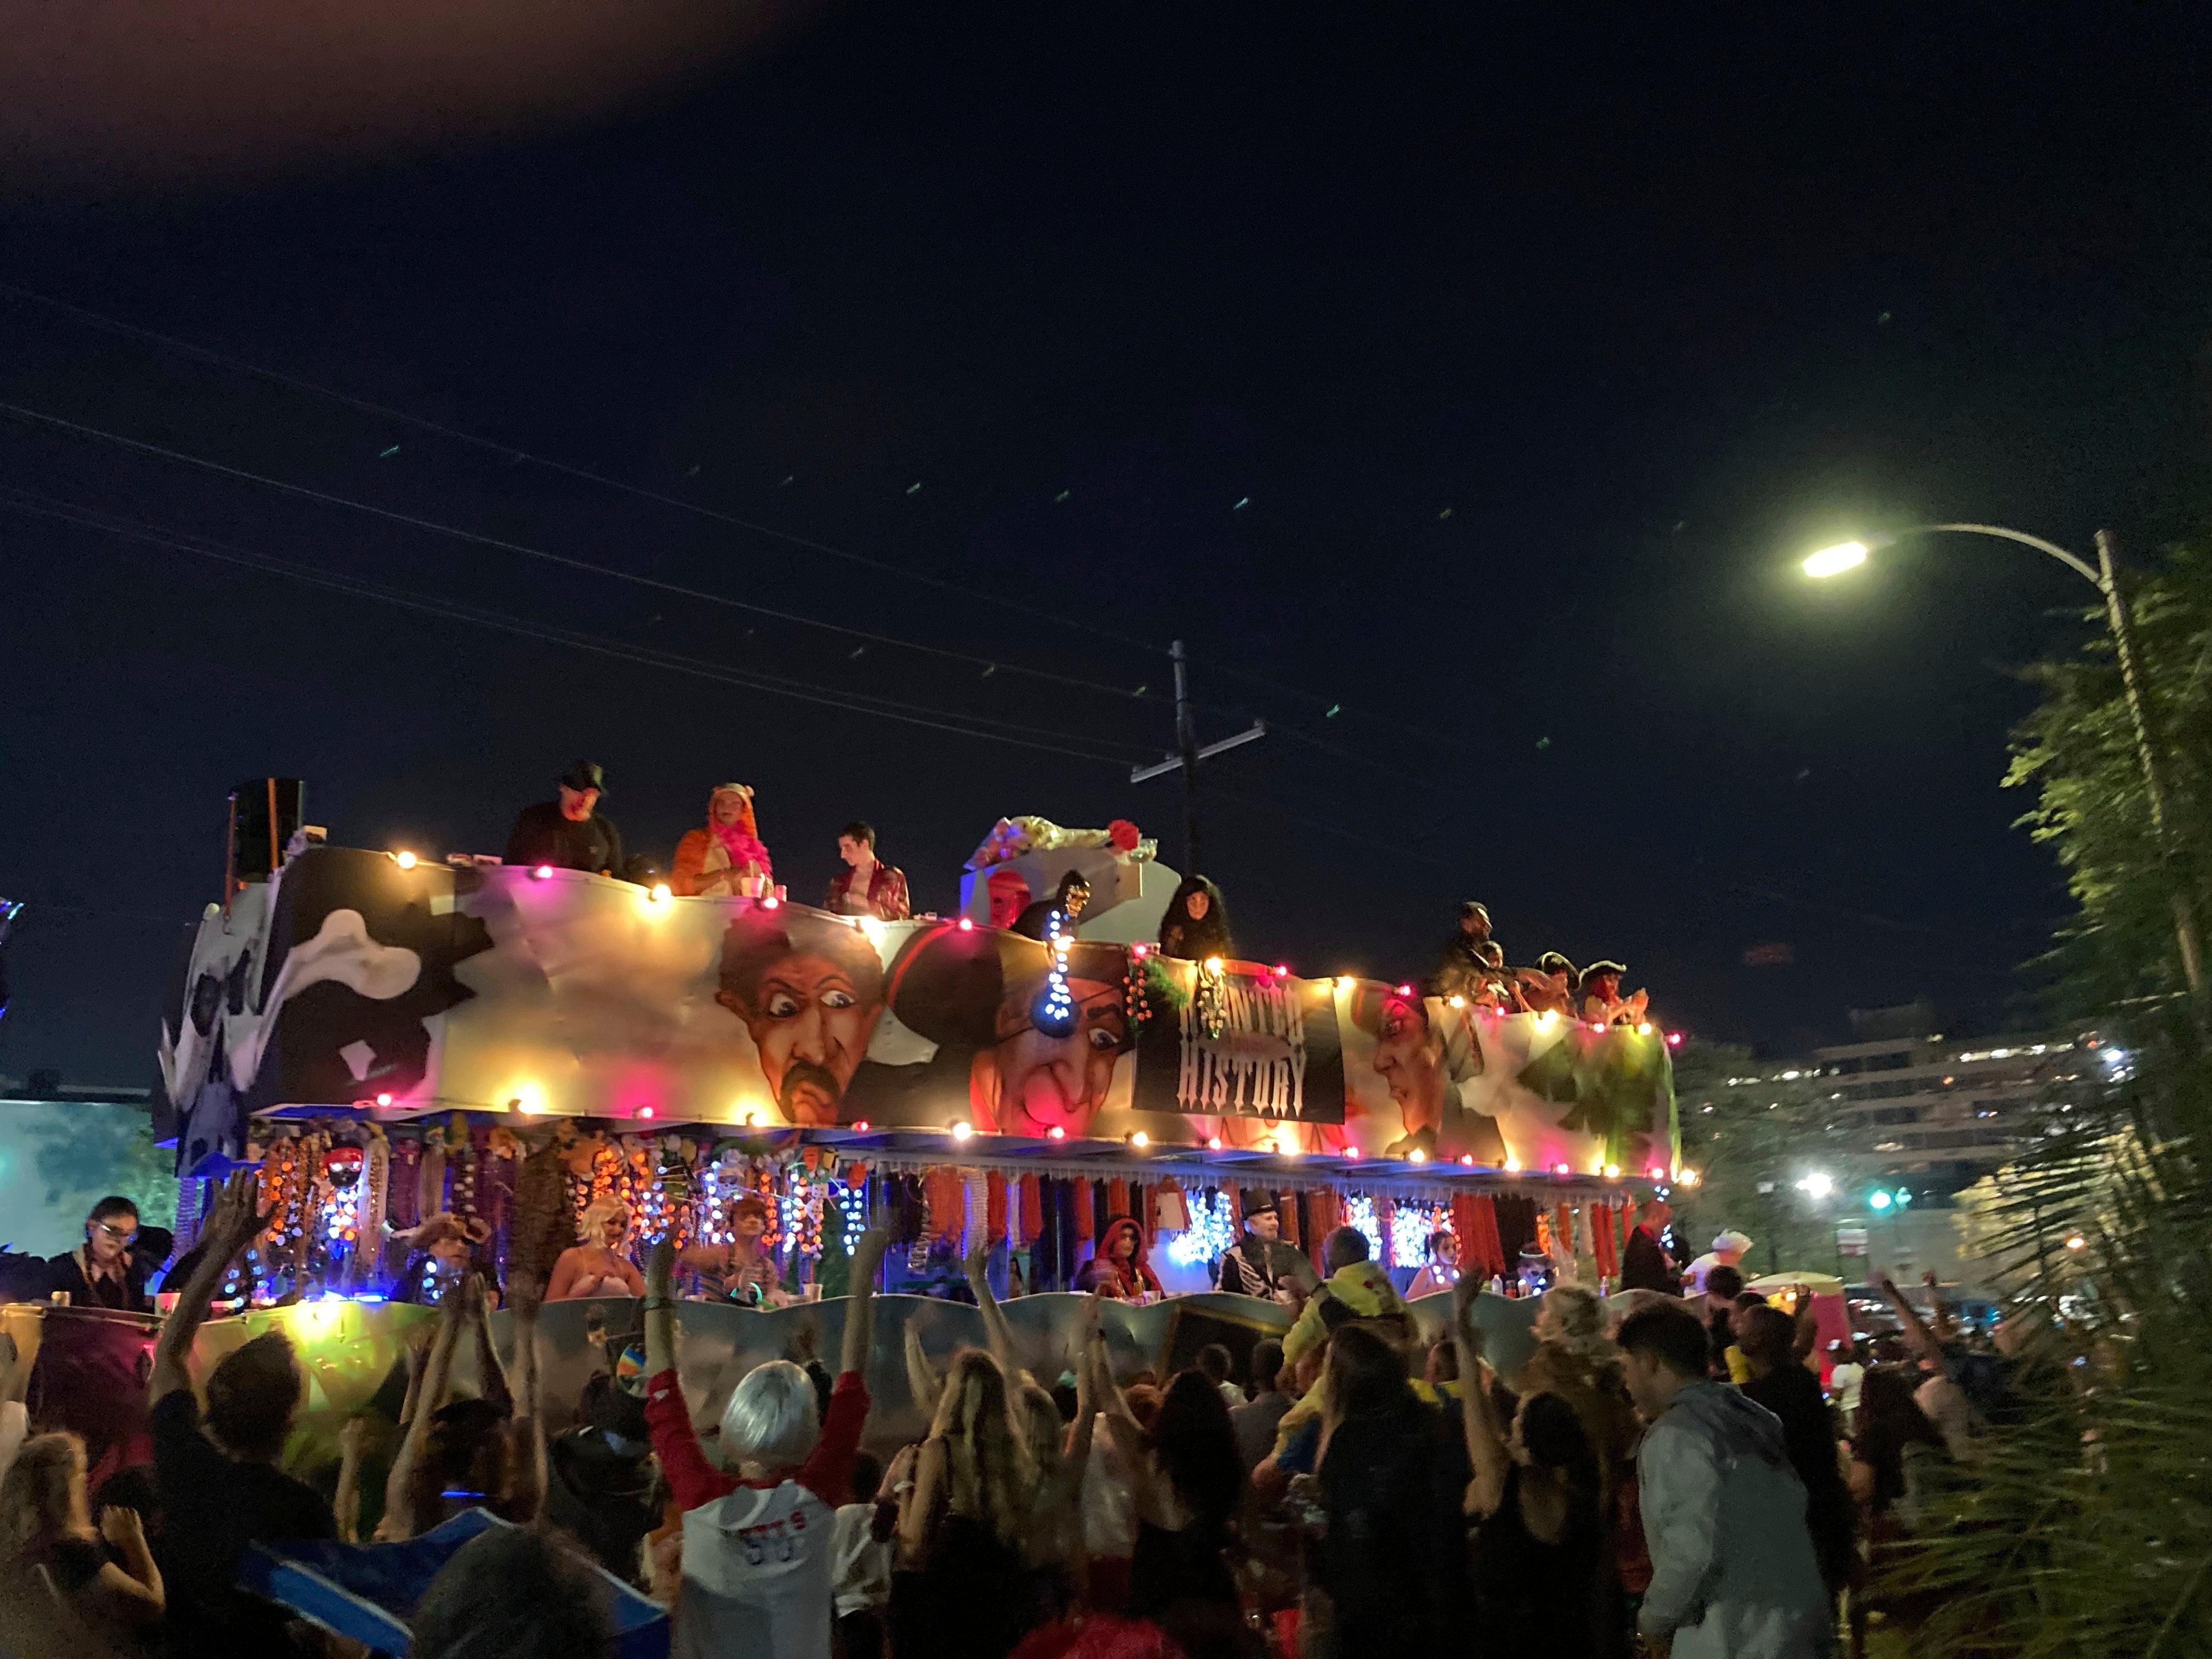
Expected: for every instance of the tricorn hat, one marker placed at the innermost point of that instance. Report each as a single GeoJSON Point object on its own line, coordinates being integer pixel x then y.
{"type": "Point", "coordinates": [1591, 972]}
{"type": "Point", "coordinates": [584, 775]}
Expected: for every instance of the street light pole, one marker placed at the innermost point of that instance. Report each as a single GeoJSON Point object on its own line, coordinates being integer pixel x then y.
{"type": "Point", "coordinates": [2103, 576]}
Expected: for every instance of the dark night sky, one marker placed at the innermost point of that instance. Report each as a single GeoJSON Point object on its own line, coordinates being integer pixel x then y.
{"type": "Point", "coordinates": [1653, 300]}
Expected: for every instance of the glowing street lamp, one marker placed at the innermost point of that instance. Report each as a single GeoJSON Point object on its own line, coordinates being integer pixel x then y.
{"type": "Point", "coordinates": [2104, 577]}
{"type": "Point", "coordinates": [1819, 1184]}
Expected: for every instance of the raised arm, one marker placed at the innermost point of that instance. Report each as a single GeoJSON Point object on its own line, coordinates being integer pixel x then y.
{"type": "Point", "coordinates": [133, 1591]}
{"type": "Point", "coordinates": [346, 1505]}
{"type": "Point", "coordinates": [235, 1224]}
{"type": "Point", "coordinates": [524, 1295]}
{"type": "Point", "coordinates": [1075, 1458]}
{"type": "Point", "coordinates": [1806, 1336]}
{"type": "Point", "coordinates": [1486, 1446]}
{"type": "Point", "coordinates": [1126, 1433]}
{"type": "Point", "coordinates": [492, 1378]}
{"type": "Point", "coordinates": [1917, 1334]}
{"type": "Point", "coordinates": [400, 1521]}
{"type": "Point", "coordinates": [922, 1381]}
{"type": "Point", "coordinates": [996, 1333]}
{"type": "Point", "coordinates": [861, 1305]}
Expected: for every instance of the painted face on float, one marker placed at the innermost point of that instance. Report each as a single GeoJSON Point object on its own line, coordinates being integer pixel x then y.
{"type": "Point", "coordinates": [810, 1019]}
{"type": "Point", "coordinates": [576, 805]}
{"type": "Point", "coordinates": [1408, 1062]}
{"type": "Point", "coordinates": [1058, 1082]}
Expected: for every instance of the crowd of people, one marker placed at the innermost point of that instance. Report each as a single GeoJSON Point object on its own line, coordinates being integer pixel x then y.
{"type": "Point", "coordinates": [1661, 1475]}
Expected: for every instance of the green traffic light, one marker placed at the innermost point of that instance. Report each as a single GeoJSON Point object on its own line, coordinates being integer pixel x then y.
{"type": "Point", "coordinates": [1877, 1201]}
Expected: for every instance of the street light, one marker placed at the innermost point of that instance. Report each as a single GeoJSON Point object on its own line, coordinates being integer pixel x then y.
{"type": "Point", "coordinates": [1818, 1184]}
{"type": "Point", "coordinates": [2104, 577]}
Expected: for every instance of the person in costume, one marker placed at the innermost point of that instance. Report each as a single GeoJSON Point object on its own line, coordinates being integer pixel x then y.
{"type": "Point", "coordinates": [1602, 1002]}
{"type": "Point", "coordinates": [722, 856]}
{"type": "Point", "coordinates": [1260, 1264]}
{"type": "Point", "coordinates": [111, 1267]}
{"type": "Point", "coordinates": [1643, 1263]}
{"type": "Point", "coordinates": [1494, 986]}
{"type": "Point", "coordinates": [567, 833]}
{"type": "Point", "coordinates": [593, 1267]}
{"type": "Point", "coordinates": [1071, 898]}
{"type": "Point", "coordinates": [810, 990]}
{"type": "Point", "coordinates": [980, 995]}
{"type": "Point", "coordinates": [1549, 987]}
{"type": "Point", "coordinates": [1459, 967]}
{"type": "Point", "coordinates": [1728, 1250]}
{"type": "Point", "coordinates": [865, 886]}
{"type": "Point", "coordinates": [740, 1269]}
{"type": "Point", "coordinates": [1195, 924]}
{"type": "Point", "coordinates": [443, 1250]}
{"type": "Point", "coordinates": [1441, 1271]}
{"type": "Point", "coordinates": [1121, 1248]}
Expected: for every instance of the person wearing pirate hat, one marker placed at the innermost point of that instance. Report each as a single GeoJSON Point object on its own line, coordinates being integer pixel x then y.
{"type": "Point", "coordinates": [1259, 1263]}
{"type": "Point", "coordinates": [1459, 967]}
{"type": "Point", "coordinates": [985, 992]}
{"type": "Point", "coordinates": [1600, 1000]}
{"type": "Point", "coordinates": [567, 833]}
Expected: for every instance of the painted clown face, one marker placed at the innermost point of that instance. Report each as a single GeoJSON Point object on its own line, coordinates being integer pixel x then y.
{"type": "Point", "coordinates": [810, 1018]}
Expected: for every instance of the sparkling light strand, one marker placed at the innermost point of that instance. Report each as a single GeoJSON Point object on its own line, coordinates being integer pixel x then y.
{"type": "Point", "coordinates": [1210, 1233]}
{"type": "Point", "coordinates": [1359, 1211]}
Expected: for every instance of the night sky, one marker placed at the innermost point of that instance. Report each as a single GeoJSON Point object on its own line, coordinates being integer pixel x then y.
{"type": "Point", "coordinates": [1463, 397]}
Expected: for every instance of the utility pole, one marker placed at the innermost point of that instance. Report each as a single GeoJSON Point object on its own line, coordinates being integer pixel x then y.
{"type": "Point", "coordinates": [2124, 642]}
{"type": "Point", "coordinates": [1188, 754]}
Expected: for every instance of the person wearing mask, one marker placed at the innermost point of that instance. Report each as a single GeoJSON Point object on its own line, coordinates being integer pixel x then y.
{"type": "Point", "coordinates": [50, 1559]}
{"type": "Point", "coordinates": [1643, 1263]}
{"type": "Point", "coordinates": [111, 1267]}
{"type": "Point", "coordinates": [567, 833]}
{"type": "Point", "coordinates": [1071, 898]}
{"type": "Point", "coordinates": [755, 1561]}
{"type": "Point", "coordinates": [866, 886]}
{"type": "Point", "coordinates": [1769, 1339]}
{"type": "Point", "coordinates": [1254, 1422]}
{"type": "Point", "coordinates": [225, 1488]}
{"type": "Point", "coordinates": [724, 856]}
{"type": "Point", "coordinates": [1734, 1571]}
{"type": "Point", "coordinates": [1535, 1498]}
{"type": "Point", "coordinates": [1259, 1263]}
{"type": "Point", "coordinates": [1356, 1288]}
{"type": "Point", "coordinates": [1195, 924]}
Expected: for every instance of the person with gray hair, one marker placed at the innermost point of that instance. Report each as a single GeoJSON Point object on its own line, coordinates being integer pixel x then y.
{"type": "Point", "coordinates": [757, 1543]}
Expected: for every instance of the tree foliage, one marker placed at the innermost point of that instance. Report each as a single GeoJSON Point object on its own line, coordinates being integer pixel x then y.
{"type": "Point", "coordinates": [2077, 751]}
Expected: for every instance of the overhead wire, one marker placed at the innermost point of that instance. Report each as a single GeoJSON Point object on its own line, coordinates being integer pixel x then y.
{"type": "Point", "coordinates": [947, 720]}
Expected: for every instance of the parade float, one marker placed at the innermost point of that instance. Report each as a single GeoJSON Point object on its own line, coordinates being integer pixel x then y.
{"type": "Point", "coordinates": [387, 1037]}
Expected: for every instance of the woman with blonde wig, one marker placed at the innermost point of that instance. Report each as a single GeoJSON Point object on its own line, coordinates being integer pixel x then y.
{"type": "Point", "coordinates": [592, 1267]}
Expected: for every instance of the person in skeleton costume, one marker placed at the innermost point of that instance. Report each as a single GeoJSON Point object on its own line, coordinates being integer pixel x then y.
{"type": "Point", "coordinates": [1260, 1264]}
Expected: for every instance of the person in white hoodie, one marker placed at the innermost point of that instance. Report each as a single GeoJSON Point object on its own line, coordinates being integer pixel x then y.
{"type": "Point", "coordinates": [1734, 1575]}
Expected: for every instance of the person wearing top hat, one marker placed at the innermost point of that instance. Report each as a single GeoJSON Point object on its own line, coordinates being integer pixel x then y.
{"type": "Point", "coordinates": [1260, 1264]}
{"type": "Point", "coordinates": [984, 997]}
{"type": "Point", "coordinates": [1460, 968]}
{"type": "Point", "coordinates": [568, 832]}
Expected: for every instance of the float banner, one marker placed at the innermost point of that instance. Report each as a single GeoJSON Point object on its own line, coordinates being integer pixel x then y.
{"type": "Point", "coordinates": [349, 982]}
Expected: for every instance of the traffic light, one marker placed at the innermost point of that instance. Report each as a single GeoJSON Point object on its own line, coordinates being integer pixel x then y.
{"type": "Point", "coordinates": [1878, 1199]}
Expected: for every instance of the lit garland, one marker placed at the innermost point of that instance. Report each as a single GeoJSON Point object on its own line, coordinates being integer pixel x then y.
{"type": "Point", "coordinates": [720, 1181]}
{"type": "Point", "coordinates": [852, 1200]}
{"type": "Point", "coordinates": [661, 1202]}
{"type": "Point", "coordinates": [348, 1174]}
{"type": "Point", "coordinates": [1212, 999]}
{"type": "Point", "coordinates": [1410, 1228]}
{"type": "Point", "coordinates": [802, 1213]}
{"type": "Point", "coordinates": [1359, 1211]}
{"type": "Point", "coordinates": [1053, 1012]}
{"type": "Point", "coordinates": [1211, 1231]}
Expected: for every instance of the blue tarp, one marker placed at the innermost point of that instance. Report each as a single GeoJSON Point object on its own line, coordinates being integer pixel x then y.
{"type": "Point", "coordinates": [370, 1591]}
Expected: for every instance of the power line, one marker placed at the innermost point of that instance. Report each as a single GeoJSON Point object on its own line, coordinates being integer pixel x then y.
{"type": "Point", "coordinates": [858, 702]}
{"type": "Point", "coordinates": [989, 664]}
{"type": "Point", "coordinates": [384, 411]}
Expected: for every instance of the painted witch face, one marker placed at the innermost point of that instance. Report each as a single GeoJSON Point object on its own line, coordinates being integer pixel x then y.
{"type": "Point", "coordinates": [1047, 1082]}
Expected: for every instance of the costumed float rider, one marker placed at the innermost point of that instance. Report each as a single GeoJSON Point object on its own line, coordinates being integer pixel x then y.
{"type": "Point", "coordinates": [740, 1269]}
{"type": "Point", "coordinates": [1601, 1001]}
{"type": "Point", "coordinates": [1643, 1263]}
{"type": "Point", "coordinates": [866, 886]}
{"type": "Point", "coordinates": [593, 1267]}
{"type": "Point", "coordinates": [1195, 924]}
{"type": "Point", "coordinates": [443, 1251]}
{"type": "Point", "coordinates": [1121, 1248]}
{"type": "Point", "coordinates": [1071, 898]}
{"type": "Point", "coordinates": [1549, 987]}
{"type": "Point", "coordinates": [725, 856]}
{"type": "Point", "coordinates": [111, 1267]}
{"type": "Point", "coordinates": [567, 833]}
{"type": "Point", "coordinates": [1260, 1264]}
{"type": "Point", "coordinates": [1461, 968]}
{"type": "Point", "coordinates": [1441, 1271]}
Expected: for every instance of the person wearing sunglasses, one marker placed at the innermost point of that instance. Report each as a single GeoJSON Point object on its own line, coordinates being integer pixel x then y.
{"type": "Point", "coordinates": [111, 1267]}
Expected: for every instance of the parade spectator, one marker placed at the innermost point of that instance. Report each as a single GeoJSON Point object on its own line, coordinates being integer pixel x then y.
{"type": "Point", "coordinates": [1846, 1371]}
{"type": "Point", "coordinates": [1897, 1453]}
{"type": "Point", "coordinates": [1987, 1379]}
{"type": "Point", "coordinates": [599, 1480]}
{"type": "Point", "coordinates": [1643, 1263]}
{"type": "Point", "coordinates": [756, 1563]}
{"type": "Point", "coordinates": [49, 1550]}
{"type": "Point", "coordinates": [1574, 1362]}
{"type": "Point", "coordinates": [1734, 1570]}
{"type": "Point", "coordinates": [1441, 1271]}
{"type": "Point", "coordinates": [567, 833]}
{"type": "Point", "coordinates": [1254, 1422]}
{"type": "Point", "coordinates": [1355, 1289]}
{"type": "Point", "coordinates": [1722, 1285]}
{"type": "Point", "coordinates": [510, 1593]}
{"type": "Point", "coordinates": [724, 856]}
{"type": "Point", "coordinates": [1391, 1471]}
{"type": "Point", "coordinates": [1778, 1382]}
{"type": "Point", "coordinates": [865, 886]}
{"type": "Point", "coordinates": [1215, 1364]}
{"type": "Point", "coordinates": [1195, 925]}
{"type": "Point", "coordinates": [860, 1565]}
{"type": "Point", "coordinates": [111, 1267]}
{"type": "Point", "coordinates": [224, 1489]}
